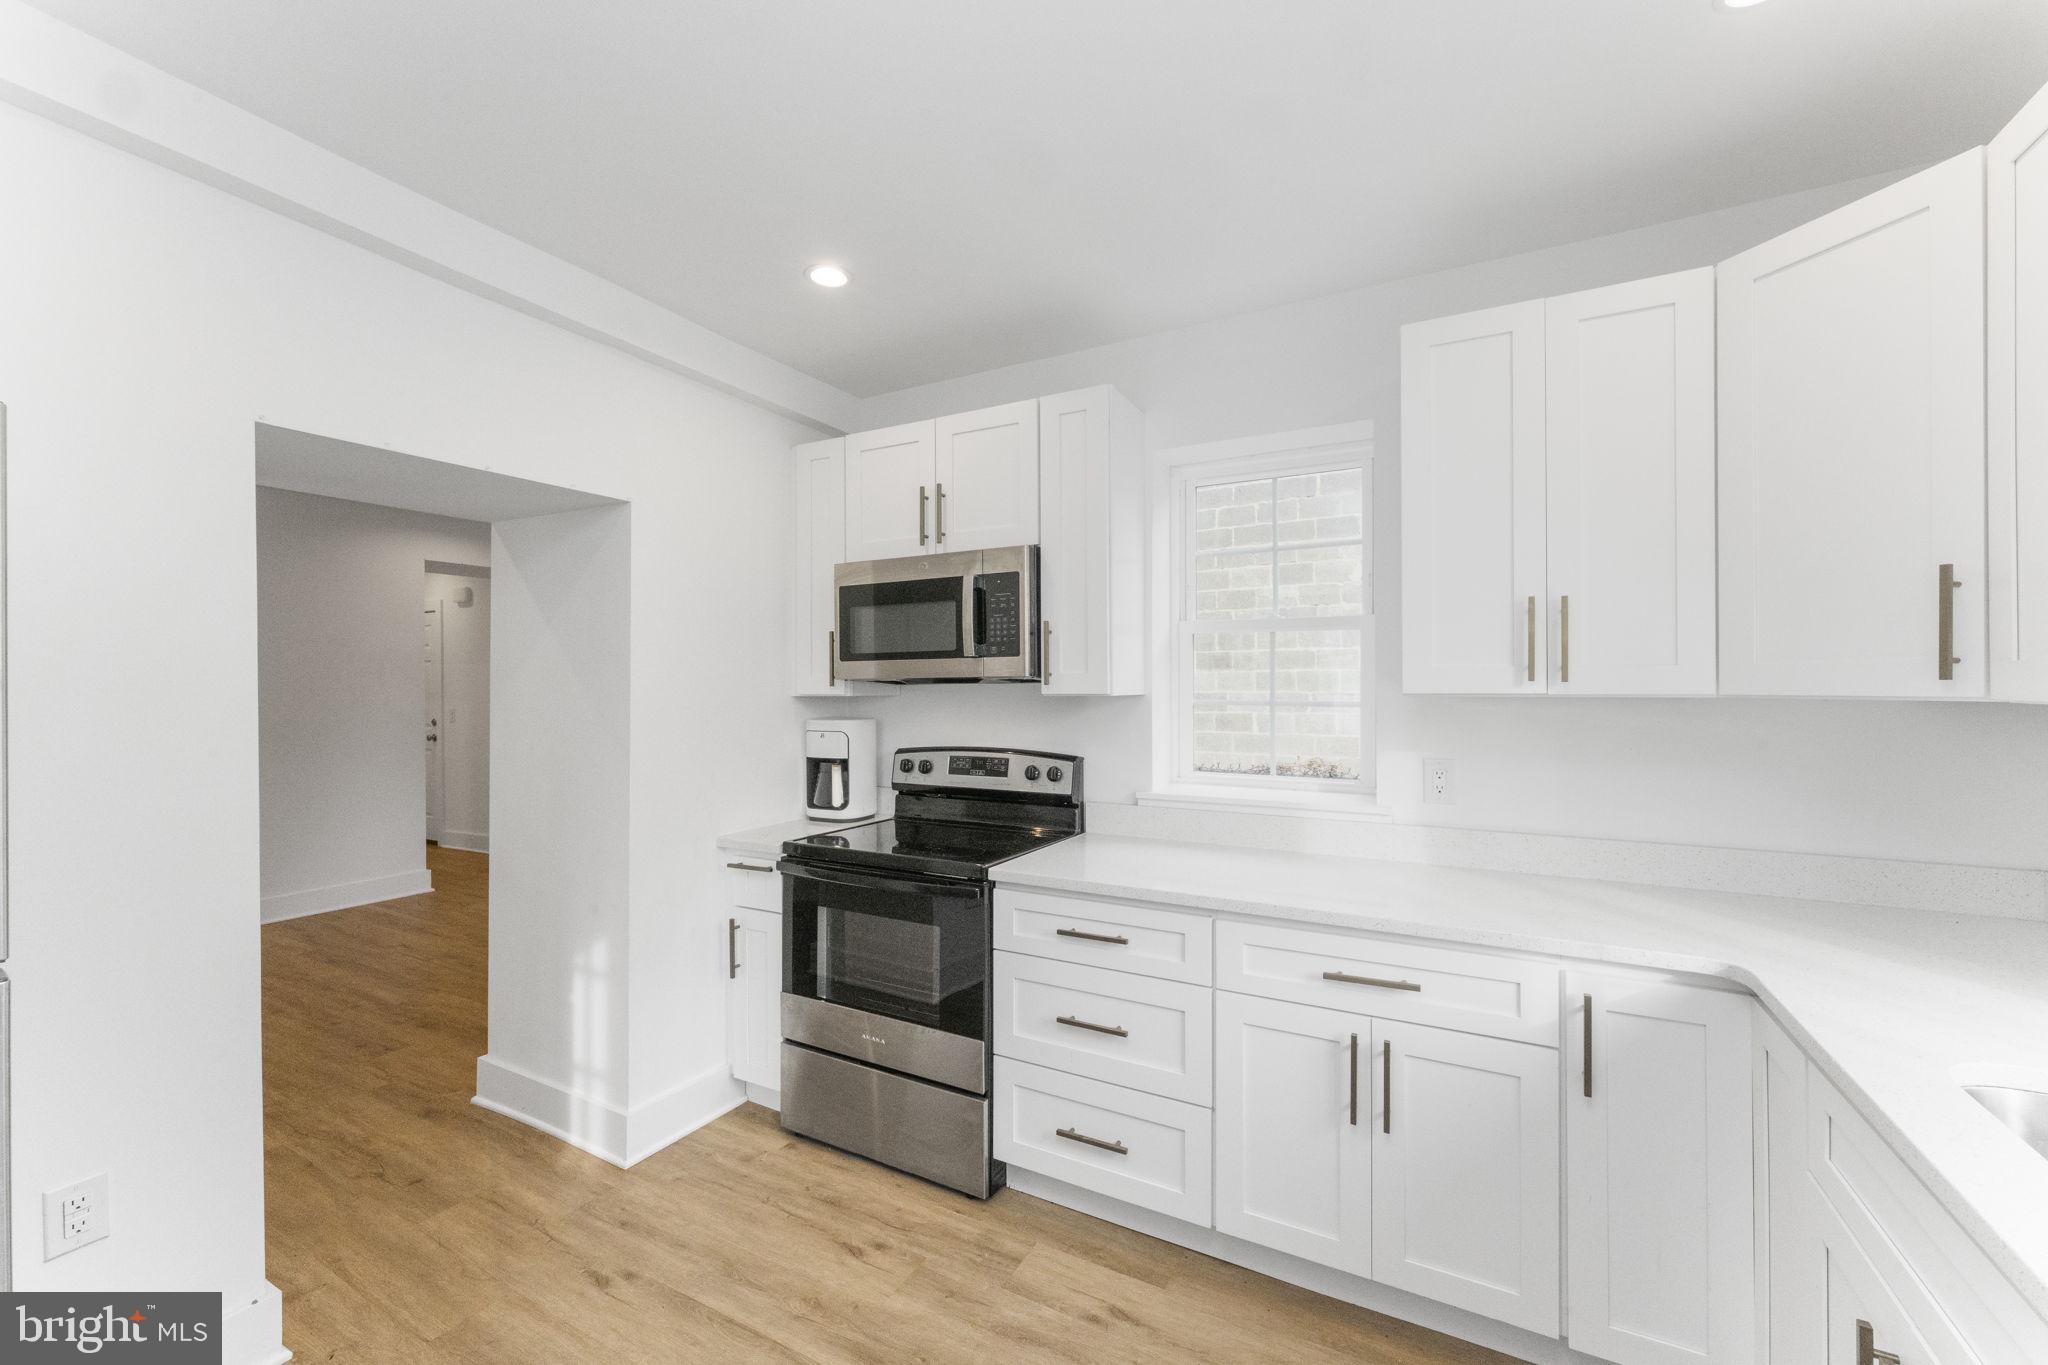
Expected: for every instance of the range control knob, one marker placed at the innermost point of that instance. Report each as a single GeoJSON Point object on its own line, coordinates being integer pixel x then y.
{"type": "Point", "coordinates": [1054, 774]}
{"type": "Point", "coordinates": [904, 765]}
{"type": "Point", "coordinates": [924, 765]}
{"type": "Point", "coordinates": [1031, 774]}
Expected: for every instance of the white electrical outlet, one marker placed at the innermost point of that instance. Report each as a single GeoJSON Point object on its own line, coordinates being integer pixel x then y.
{"type": "Point", "coordinates": [1436, 783]}
{"type": "Point", "coordinates": [75, 1216]}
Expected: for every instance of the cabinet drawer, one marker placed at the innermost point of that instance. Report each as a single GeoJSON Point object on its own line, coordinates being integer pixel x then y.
{"type": "Point", "coordinates": [1475, 992]}
{"type": "Point", "coordinates": [1112, 1026]}
{"type": "Point", "coordinates": [752, 882]}
{"type": "Point", "coordinates": [1139, 1148]}
{"type": "Point", "coordinates": [1131, 938]}
{"type": "Point", "coordinates": [1942, 1280]}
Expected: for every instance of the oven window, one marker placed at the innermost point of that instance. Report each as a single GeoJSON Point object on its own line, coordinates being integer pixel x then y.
{"type": "Point", "coordinates": [914, 620]}
{"type": "Point", "coordinates": [915, 958]}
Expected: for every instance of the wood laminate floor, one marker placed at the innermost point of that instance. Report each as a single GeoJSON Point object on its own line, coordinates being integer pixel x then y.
{"type": "Point", "coordinates": [409, 1227]}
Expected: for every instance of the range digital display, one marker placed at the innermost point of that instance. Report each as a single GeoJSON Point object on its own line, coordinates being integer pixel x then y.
{"type": "Point", "coordinates": [977, 765]}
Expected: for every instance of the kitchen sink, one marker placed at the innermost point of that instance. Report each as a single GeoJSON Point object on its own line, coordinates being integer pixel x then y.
{"type": "Point", "coordinates": [2023, 1111]}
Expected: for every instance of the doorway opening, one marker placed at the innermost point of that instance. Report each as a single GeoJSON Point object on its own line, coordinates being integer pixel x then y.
{"type": "Point", "coordinates": [456, 618]}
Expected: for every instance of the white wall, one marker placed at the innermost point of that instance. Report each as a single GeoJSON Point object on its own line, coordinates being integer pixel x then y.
{"type": "Point", "coordinates": [465, 740]}
{"type": "Point", "coordinates": [151, 321]}
{"type": "Point", "coordinates": [338, 592]}
{"type": "Point", "coordinates": [1935, 781]}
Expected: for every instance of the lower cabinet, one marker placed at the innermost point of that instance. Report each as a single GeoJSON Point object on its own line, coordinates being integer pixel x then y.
{"type": "Point", "coordinates": [1294, 1129]}
{"type": "Point", "coordinates": [753, 996]}
{"type": "Point", "coordinates": [1657, 1119]}
{"type": "Point", "coordinates": [1420, 1157]}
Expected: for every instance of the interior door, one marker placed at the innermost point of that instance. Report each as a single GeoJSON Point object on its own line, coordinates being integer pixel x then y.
{"type": "Point", "coordinates": [2017, 291]}
{"type": "Point", "coordinates": [889, 475]}
{"type": "Point", "coordinates": [1464, 1171]}
{"type": "Point", "coordinates": [1852, 448]}
{"type": "Point", "coordinates": [1630, 464]}
{"type": "Point", "coordinates": [1473, 617]}
{"type": "Point", "coordinates": [1661, 1249]}
{"type": "Point", "coordinates": [985, 481]}
{"type": "Point", "coordinates": [436, 769]}
{"type": "Point", "coordinates": [1293, 1129]}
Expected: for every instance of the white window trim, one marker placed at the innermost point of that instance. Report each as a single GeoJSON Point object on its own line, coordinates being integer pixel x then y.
{"type": "Point", "coordinates": [1173, 782]}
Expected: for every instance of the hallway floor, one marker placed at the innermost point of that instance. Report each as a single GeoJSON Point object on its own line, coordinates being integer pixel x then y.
{"type": "Point", "coordinates": [408, 1227]}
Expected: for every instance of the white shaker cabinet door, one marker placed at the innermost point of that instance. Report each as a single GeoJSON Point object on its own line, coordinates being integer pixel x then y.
{"type": "Point", "coordinates": [1657, 1114]}
{"type": "Point", "coordinates": [1852, 558]}
{"type": "Point", "coordinates": [1294, 1129]}
{"type": "Point", "coordinates": [985, 481]}
{"type": "Point", "coordinates": [820, 544]}
{"type": "Point", "coordinates": [2017, 293]}
{"type": "Point", "coordinates": [1091, 529]}
{"type": "Point", "coordinates": [889, 476]}
{"type": "Point", "coordinates": [1465, 1197]}
{"type": "Point", "coordinates": [1630, 463]}
{"type": "Point", "coordinates": [753, 1016]}
{"type": "Point", "coordinates": [1473, 617]}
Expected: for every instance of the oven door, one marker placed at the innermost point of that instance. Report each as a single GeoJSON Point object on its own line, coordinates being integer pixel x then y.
{"type": "Point", "coordinates": [888, 970]}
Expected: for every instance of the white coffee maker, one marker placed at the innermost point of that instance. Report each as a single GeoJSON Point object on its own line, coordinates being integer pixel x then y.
{"type": "Point", "coordinates": [839, 769]}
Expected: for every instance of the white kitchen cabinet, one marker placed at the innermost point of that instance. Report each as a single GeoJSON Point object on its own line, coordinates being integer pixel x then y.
{"type": "Point", "coordinates": [1659, 1171]}
{"type": "Point", "coordinates": [1294, 1129]}
{"type": "Point", "coordinates": [1091, 534]}
{"type": "Point", "coordinates": [1473, 613]}
{"type": "Point", "coordinates": [2017, 384]}
{"type": "Point", "coordinates": [985, 479]}
{"type": "Point", "coordinates": [889, 476]}
{"type": "Point", "coordinates": [753, 996]}
{"type": "Point", "coordinates": [1856, 1314]}
{"type": "Point", "coordinates": [820, 546]}
{"type": "Point", "coordinates": [1464, 1171]}
{"type": "Point", "coordinates": [1788, 1280]}
{"type": "Point", "coordinates": [1852, 470]}
{"type": "Point", "coordinates": [1629, 458]}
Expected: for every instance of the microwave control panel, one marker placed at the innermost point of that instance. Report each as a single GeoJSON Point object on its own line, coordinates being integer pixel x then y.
{"type": "Point", "coordinates": [999, 601]}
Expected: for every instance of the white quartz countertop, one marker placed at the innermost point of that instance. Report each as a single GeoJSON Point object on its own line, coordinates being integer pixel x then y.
{"type": "Point", "coordinates": [1899, 1008]}
{"type": "Point", "coordinates": [766, 842]}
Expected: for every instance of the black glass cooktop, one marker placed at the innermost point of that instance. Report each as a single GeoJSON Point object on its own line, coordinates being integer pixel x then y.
{"type": "Point", "coordinates": [936, 848]}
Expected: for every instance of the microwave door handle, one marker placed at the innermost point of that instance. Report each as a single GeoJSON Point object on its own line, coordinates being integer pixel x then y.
{"type": "Point", "coordinates": [979, 605]}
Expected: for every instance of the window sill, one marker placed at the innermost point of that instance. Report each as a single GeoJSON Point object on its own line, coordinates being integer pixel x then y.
{"type": "Point", "coordinates": [1317, 805]}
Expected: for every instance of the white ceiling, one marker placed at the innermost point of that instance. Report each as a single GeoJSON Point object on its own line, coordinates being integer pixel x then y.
{"type": "Point", "coordinates": [1009, 179]}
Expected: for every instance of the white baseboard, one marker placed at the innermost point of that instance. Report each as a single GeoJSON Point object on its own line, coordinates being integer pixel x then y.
{"type": "Point", "coordinates": [1395, 1303]}
{"type": "Point", "coordinates": [252, 1328]}
{"type": "Point", "coordinates": [467, 840]}
{"type": "Point", "coordinates": [320, 899]}
{"type": "Point", "coordinates": [624, 1137]}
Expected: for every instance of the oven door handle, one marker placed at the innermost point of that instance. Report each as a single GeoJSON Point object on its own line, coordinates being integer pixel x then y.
{"type": "Point", "coordinates": [805, 872]}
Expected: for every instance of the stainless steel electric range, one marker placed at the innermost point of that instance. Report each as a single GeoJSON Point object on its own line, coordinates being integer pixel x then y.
{"type": "Point", "coordinates": [887, 957]}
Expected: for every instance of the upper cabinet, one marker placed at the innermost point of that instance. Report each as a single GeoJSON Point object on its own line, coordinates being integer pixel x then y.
{"type": "Point", "coordinates": [1852, 493]}
{"type": "Point", "coordinates": [1065, 473]}
{"type": "Point", "coordinates": [2017, 384]}
{"type": "Point", "coordinates": [1557, 495]}
{"type": "Point", "coordinates": [1091, 563]}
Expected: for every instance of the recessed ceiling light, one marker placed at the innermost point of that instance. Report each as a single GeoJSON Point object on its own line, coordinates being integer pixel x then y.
{"type": "Point", "coordinates": [1736, 4]}
{"type": "Point", "coordinates": [832, 277]}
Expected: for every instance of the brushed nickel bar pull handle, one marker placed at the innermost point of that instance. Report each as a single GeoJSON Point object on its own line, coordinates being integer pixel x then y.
{"type": "Point", "coordinates": [732, 949]}
{"type": "Point", "coordinates": [1387, 1087]}
{"type": "Point", "coordinates": [1946, 629]}
{"type": "Point", "coordinates": [1354, 1080]}
{"type": "Point", "coordinates": [1586, 1025]}
{"type": "Point", "coordinates": [1381, 982]}
{"type": "Point", "coordinates": [832, 657]}
{"type": "Point", "coordinates": [1072, 1136]}
{"type": "Point", "coordinates": [1529, 638]}
{"type": "Point", "coordinates": [1564, 639]}
{"type": "Point", "coordinates": [924, 496]}
{"type": "Point", "coordinates": [1111, 1029]}
{"type": "Point", "coordinates": [749, 867]}
{"type": "Point", "coordinates": [1045, 650]}
{"type": "Point", "coordinates": [1866, 1347]}
{"type": "Point", "coordinates": [939, 514]}
{"type": "Point", "coordinates": [1117, 939]}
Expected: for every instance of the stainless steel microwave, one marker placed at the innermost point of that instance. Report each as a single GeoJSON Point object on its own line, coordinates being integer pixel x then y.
{"type": "Point", "coordinates": [967, 617]}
